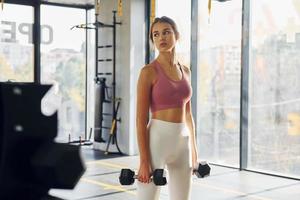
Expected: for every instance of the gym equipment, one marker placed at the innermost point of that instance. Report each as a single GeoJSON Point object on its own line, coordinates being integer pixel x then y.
{"type": "Point", "coordinates": [101, 94]}
{"type": "Point", "coordinates": [113, 133]}
{"type": "Point", "coordinates": [30, 161]}
{"type": "Point", "coordinates": [100, 84]}
{"type": "Point", "coordinates": [81, 141]}
{"type": "Point", "coordinates": [127, 177]}
{"type": "Point", "coordinates": [101, 89]}
{"type": "Point", "coordinates": [97, 7]}
{"type": "Point", "coordinates": [203, 170]}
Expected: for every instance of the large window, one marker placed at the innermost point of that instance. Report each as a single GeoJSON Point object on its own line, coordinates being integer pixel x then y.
{"type": "Point", "coordinates": [274, 132]}
{"type": "Point", "coordinates": [63, 60]}
{"type": "Point", "coordinates": [180, 12]}
{"type": "Point", "coordinates": [16, 45]}
{"type": "Point", "coordinates": [219, 73]}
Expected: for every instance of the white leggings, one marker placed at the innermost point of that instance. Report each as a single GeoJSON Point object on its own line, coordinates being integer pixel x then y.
{"type": "Point", "coordinates": [169, 145]}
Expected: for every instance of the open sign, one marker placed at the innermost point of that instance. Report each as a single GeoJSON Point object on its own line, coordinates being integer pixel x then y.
{"type": "Point", "coordinates": [10, 29]}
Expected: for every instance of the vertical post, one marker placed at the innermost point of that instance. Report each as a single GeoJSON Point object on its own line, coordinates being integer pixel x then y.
{"type": "Point", "coordinates": [96, 44]}
{"type": "Point", "coordinates": [86, 74]}
{"type": "Point", "coordinates": [152, 17]}
{"type": "Point", "coordinates": [37, 42]}
{"type": "Point", "coordinates": [96, 79]}
{"type": "Point", "coordinates": [244, 93]}
{"type": "Point", "coordinates": [114, 72]}
{"type": "Point", "coordinates": [147, 22]}
{"type": "Point", "coordinates": [194, 58]}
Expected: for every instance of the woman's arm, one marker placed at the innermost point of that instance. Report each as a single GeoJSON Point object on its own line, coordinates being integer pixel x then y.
{"type": "Point", "coordinates": [191, 126]}
{"type": "Point", "coordinates": [142, 112]}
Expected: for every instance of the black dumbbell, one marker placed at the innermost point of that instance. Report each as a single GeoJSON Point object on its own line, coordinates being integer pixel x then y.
{"type": "Point", "coordinates": [127, 177]}
{"type": "Point", "coordinates": [203, 170]}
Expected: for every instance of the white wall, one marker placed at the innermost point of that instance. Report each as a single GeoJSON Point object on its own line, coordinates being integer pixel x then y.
{"type": "Point", "coordinates": [130, 57]}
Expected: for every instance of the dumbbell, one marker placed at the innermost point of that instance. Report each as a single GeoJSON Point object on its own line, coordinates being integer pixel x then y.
{"type": "Point", "coordinates": [203, 170]}
{"type": "Point", "coordinates": [127, 177]}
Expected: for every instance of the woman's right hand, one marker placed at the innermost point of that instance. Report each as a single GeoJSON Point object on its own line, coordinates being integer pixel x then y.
{"type": "Point", "coordinates": [144, 174]}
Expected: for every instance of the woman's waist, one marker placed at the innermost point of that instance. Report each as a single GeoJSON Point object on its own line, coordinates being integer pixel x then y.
{"type": "Point", "coordinates": [175, 115]}
{"type": "Point", "coordinates": [163, 129]}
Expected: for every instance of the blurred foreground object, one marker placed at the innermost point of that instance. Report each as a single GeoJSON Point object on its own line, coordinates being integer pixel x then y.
{"type": "Point", "coordinates": [31, 163]}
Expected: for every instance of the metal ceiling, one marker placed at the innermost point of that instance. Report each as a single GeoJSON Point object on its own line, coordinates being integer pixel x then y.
{"type": "Point", "coordinates": [69, 3]}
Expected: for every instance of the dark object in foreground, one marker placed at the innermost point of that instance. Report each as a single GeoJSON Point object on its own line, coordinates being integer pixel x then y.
{"type": "Point", "coordinates": [31, 163]}
{"type": "Point", "coordinates": [127, 177]}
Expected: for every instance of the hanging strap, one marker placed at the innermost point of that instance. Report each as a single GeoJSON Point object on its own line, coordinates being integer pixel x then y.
{"type": "Point", "coordinates": [209, 10]}
{"type": "Point", "coordinates": [120, 8]}
{"type": "Point", "coordinates": [2, 4]}
{"type": "Point", "coordinates": [152, 14]}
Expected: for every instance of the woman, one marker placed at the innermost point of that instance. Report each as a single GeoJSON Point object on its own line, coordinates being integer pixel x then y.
{"type": "Point", "coordinates": [168, 138]}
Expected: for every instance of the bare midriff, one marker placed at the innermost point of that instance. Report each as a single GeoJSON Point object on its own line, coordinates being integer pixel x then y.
{"type": "Point", "coordinates": [175, 115]}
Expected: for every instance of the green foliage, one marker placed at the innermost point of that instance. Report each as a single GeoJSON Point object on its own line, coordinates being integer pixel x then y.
{"type": "Point", "coordinates": [23, 73]}
{"type": "Point", "coordinates": [71, 76]}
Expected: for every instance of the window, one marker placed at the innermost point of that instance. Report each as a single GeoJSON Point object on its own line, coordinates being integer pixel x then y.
{"type": "Point", "coordinates": [274, 134]}
{"type": "Point", "coordinates": [16, 45]}
{"type": "Point", "coordinates": [180, 12]}
{"type": "Point", "coordinates": [219, 73]}
{"type": "Point", "coordinates": [63, 59]}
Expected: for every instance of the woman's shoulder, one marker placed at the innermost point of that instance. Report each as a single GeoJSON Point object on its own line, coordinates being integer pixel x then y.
{"type": "Point", "coordinates": [149, 69]}
{"type": "Point", "coordinates": [185, 68]}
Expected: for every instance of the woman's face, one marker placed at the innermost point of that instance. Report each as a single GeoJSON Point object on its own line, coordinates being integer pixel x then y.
{"type": "Point", "coordinates": [164, 37]}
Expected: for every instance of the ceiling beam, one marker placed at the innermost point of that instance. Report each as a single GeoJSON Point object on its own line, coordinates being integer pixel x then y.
{"type": "Point", "coordinates": [75, 4]}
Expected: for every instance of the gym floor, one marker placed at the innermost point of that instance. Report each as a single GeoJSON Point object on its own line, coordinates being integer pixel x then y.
{"type": "Point", "coordinates": [100, 181]}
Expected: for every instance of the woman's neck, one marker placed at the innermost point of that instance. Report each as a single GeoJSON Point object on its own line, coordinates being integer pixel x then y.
{"type": "Point", "coordinates": [168, 59]}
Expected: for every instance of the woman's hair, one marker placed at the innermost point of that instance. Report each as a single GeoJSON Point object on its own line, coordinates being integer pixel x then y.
{"type": "Point", "coordinates": [164, 19]}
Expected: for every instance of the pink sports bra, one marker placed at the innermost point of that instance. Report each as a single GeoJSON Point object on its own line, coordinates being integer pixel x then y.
{"type": "Point", "coordinates": [167, 93]}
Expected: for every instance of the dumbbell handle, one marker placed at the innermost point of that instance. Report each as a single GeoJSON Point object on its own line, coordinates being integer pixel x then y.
{"type": "Point", "coordinates": [136, 177]}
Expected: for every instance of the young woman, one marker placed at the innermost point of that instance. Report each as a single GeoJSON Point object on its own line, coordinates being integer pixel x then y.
{"type": "Point", "coordinates": [168, 137]}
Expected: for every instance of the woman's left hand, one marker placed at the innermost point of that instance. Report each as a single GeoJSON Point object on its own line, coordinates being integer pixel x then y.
{"type": "Point", "coordinates": [195, 160]}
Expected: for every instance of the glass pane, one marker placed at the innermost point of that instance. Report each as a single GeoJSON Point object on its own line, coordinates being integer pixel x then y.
{"type": "Point", "coordinates": [16, 45]}
{"type": "Point", "coordinates": [219, 75]}
{"type": "Point", "coordinates": [90, 112]}
{"type": "Point", "coordinates": [180, 12]}
{"type": "Point", "coordinates": [63, 65]}
{"type": "Point", "coordinates": [274, 140]}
